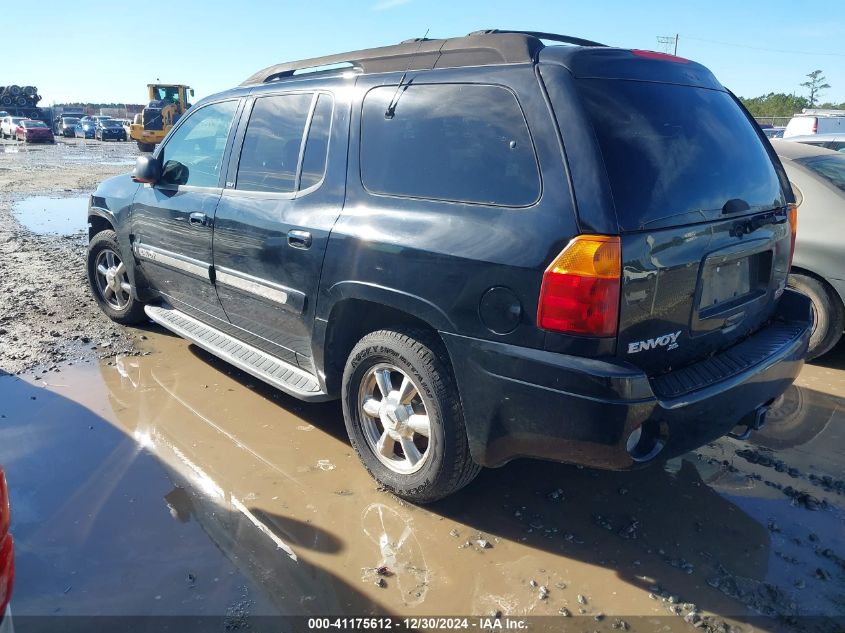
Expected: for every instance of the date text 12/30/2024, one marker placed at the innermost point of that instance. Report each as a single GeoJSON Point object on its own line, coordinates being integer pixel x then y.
{"type": "Point", "coordinates": [420, 623]}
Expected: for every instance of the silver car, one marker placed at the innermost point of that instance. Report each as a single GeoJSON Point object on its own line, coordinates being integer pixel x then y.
{"type": "Point", "coordinates": [818, 269]}
{"type": "Point", "coordinates": [835, 141]}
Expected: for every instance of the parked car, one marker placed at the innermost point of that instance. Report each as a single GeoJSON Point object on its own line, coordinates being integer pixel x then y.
{"type": "Point", "coordinates": [86, 128]}
{"type": "Point", "coordinates": [9, 125]}
{"type": "Point", "coordinates": [126, 123]}
{"type": "Point", "coordinates": [7, 558]}
{"type": "Point", "coordinates": [66, 124]}
{"type": "Point", "coordinates": [412, 243]}
{"type": "Point", "coordinates": [818, 180]}
{"type": "Point", "coordinates": [107, 129]}
{"type": "Point", "coordinates": [815, 121]}
{"type": "Point", "coordinates": [31, 131]}
{"type": "Point", "coordinates": [835, 142]}
{"type": "Point", "coordinates": [774, 132]}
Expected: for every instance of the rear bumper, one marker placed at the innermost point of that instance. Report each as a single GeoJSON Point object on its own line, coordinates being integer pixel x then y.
{"type": "Point", "coordinates": [522, 402]}
{"type": "Point", "coordinates": [138, 133]}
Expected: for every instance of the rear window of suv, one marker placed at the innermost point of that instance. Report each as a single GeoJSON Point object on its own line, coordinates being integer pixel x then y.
{"type": "Point", "coordinates": [455, 142]}
{"type": "Point", "coordinates": [676, 154]}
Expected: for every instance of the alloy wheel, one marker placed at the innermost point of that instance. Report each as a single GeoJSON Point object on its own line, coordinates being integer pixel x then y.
{"type": "Point", "coordinates": [394, 418]}
{"type": "Point", "coordinates": [112, 279]}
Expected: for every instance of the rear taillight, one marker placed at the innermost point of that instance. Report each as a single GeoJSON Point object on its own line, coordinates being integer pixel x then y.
{"type": "Point", "coordinates": [815, 125]}
{"type": "Point", "coordinates": [580, 291]}
{"type": "Point", "coordinates": [793, 227]}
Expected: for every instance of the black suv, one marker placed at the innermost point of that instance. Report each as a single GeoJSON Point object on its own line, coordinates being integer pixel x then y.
{"type": "Point", "coordinates": [488, 248]}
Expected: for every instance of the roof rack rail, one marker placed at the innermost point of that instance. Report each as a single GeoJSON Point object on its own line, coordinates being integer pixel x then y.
{"type": "Point", "coordinates": [479, 48]}
{"type": "Point", "coordinates": [541, 35]}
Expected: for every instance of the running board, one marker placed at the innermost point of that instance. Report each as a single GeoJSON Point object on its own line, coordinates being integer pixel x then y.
{"type": "Point", "coordinates": [262, 365]}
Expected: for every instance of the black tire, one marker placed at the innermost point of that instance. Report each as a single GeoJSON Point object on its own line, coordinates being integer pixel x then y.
{"type": "Point", "coordinates": [146, 147]}
{"type": "Point", "coordinates": [448, 466]}
{"type": "Point", "coordinates": [828, 312]}
{"type": "Point", "coordinates": [133, 311]}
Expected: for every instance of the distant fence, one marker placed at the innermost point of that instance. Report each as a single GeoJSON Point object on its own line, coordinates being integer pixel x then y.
{"type": "Point", "coordinates": [776, 121]}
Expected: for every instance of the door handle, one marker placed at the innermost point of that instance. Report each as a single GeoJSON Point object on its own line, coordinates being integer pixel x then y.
{"type": "Point", "coordinates": [299, 239]}
{"type": "Point", "coordinates": [199, 219]}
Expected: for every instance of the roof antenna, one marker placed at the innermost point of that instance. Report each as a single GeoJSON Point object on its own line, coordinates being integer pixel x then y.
{"type": "Point", "coordinates": [394, 100]}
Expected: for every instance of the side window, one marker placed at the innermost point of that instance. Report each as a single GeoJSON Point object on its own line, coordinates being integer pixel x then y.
{"type": "Point", "coordinates": [317, 144]}
{"type": "Point", "coordinates": [456, 142]}
{"type": "Point", "coordinates": [194, 154]}
{"type": "Point", "coordinates": [270, 153]}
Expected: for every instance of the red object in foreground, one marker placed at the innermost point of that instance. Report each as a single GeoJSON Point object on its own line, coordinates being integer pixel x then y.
{"type": "Point", "coordinates": [7, 550]}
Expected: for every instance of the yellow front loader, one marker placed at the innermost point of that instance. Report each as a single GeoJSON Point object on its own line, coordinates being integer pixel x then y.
{"type": "Point", "coordinates": [167, 103]}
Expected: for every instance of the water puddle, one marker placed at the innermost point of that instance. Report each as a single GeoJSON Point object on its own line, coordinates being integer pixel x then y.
{"type": "Point", "coordinates": [45, 215]}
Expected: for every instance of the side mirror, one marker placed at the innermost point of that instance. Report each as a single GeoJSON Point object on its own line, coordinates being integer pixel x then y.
{"type": "Point", "coordinates": [192, 92]}
{"type": "Point", "coordinates": [146, 170]}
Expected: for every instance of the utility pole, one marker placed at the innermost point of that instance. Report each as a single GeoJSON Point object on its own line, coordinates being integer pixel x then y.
{"type": "Point", "coordinates": [668, 43]}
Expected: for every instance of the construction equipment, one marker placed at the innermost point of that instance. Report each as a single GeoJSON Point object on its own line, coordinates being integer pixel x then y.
{"type": "Point", "coordinates": [167, 103]}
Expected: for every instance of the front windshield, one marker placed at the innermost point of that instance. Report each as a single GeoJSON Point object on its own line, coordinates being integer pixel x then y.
{"type": "Point", "coordinates": [167, 93]}
{"type": "Point", "coordinates": [831, 168]}
{"type": "Point", "coordinates": [70, 121]}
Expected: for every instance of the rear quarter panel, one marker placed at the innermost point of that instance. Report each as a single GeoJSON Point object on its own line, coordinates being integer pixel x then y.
{"type": "Point", "coordinates": [436, 259]}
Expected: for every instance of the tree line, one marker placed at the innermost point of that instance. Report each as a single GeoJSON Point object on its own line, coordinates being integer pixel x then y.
{"type": "Point", "coordinates": [779, 104]}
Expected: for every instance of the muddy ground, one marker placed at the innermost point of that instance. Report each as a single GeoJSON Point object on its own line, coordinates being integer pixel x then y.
{"type": "Point", "coordinates": [148, 478]}
{"type": "Point", "coordinates": [46, 313]}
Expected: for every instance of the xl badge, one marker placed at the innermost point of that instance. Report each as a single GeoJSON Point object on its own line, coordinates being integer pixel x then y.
{"type": "Point", "coordinates": [669, 341]}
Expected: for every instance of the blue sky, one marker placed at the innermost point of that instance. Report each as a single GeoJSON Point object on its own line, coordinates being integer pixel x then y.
{"type": "Point", "coordinates": [215, 44]}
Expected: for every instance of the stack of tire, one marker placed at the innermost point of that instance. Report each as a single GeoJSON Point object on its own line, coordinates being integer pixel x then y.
{"type": "Point", "coordinates": [20, 101]}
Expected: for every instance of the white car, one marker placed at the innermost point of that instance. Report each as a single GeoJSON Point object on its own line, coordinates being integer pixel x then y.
{"type": "Point", "coordinates": [815, 121]}
{"type": "Point", "coordinates": [8, 126]}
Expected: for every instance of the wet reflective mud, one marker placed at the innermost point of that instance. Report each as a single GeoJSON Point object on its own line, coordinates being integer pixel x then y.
{"type": "Point", "coordinates": [172, 483]}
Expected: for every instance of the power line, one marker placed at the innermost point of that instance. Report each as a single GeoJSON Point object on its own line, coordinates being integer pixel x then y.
{"type": "Point", "coordinates": [760, 48]}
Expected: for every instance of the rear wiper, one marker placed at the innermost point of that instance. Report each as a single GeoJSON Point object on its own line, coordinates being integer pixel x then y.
{"type": "Point", "coordinates": [735, 205]}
